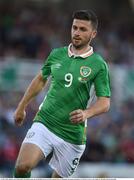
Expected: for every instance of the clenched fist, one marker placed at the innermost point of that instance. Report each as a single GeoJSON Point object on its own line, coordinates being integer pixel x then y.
{"type": "Point", "coordinates": [19, 116]}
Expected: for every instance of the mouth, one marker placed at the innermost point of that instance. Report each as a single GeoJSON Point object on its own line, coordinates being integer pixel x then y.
{"type": "Point", "coordinates": [77, 39]}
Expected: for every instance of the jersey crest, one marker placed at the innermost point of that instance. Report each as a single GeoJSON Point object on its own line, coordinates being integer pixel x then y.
{"type": "Point", "coordinates": [85, 71]}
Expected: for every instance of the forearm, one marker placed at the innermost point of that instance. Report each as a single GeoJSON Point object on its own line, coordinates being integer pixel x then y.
{"type": "Point", "coordinates": [102, 105]}
{"type": "Point", "coordinates": [33, 89]}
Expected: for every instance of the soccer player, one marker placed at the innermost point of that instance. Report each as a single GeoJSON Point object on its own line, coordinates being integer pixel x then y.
{"type": "Point", "coordinates": [60, 124]}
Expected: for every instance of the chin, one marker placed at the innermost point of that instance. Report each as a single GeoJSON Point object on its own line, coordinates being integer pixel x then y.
{"type": "Point", "coordinates": [77, 46]}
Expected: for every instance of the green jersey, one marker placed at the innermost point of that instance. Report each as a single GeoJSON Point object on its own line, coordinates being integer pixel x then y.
{"type": "Point", "coordinates": [72, 77]}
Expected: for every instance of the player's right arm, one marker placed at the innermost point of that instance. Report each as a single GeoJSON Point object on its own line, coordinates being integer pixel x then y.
{"type": "Point", "coordinates": [33, 90]}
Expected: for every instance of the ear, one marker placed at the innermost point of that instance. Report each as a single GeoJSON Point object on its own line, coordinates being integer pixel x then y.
{"type": "Point", "coordinates": [94, 33]}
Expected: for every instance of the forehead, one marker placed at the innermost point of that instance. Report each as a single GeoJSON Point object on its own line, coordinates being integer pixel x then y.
{"type": "Point", "coordinates": [81, 23]}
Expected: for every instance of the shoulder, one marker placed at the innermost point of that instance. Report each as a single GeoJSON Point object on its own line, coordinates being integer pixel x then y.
{"type": "Point", "coordinates": [56, 54]}
{"type": "Point", "coordinates": [59, 51]}
{"type": "Point", "coordinates": [100, 60]}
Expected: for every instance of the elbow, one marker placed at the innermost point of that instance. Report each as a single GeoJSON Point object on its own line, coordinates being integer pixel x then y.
{"type": "Point", "coordinates": [107, 106]}
{"type": "Point", "coordinates": [104, 104]}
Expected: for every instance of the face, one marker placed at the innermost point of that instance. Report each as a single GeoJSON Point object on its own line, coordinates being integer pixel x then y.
{"type": "Point", "coordinates": [82, 33]}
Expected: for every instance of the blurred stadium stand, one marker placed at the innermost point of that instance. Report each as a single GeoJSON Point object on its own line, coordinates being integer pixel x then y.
{"type": "Point", "coordinates": [29, 29]}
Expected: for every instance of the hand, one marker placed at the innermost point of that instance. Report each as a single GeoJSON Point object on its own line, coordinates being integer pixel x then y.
{"type": "Point", "coordinates": [19, 116]}
{"type": "Point", "coordinates": [78, 116]}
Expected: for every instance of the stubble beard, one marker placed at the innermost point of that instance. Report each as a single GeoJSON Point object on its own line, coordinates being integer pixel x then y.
{"type": "Point", "coordinates": [81, 45]}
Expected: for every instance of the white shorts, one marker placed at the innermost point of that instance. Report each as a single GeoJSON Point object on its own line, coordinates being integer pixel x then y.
{"type": "Point", "coordinates": [66, 156]}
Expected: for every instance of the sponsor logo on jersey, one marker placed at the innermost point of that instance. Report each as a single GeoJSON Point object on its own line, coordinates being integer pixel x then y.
{"type": "Point", "coordinates": [85, 71]}
{"type": "Point", "coordinates": [82, 80]}
{"type": "Point", "coordinates": [58, 65]}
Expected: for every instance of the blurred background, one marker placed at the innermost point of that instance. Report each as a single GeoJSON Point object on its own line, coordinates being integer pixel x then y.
{"type": "Point", "coordinates": [29, 30]}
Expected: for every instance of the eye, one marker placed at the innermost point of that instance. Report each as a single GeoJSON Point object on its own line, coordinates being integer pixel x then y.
{"type": "Point", "coordinates": [75, 27]}
{"type": "Point", "coordinates": [83, 29]}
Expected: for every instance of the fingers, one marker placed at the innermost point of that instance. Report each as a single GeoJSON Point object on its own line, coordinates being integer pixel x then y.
{"type": "Point", "coordinates": [75, 112]}
{"type": "Point", "coordinates": [18, 122]}
{"type": "Point", "coordinates": [19, 117]}
{"type": "Point", "coordinates": [77, 116]}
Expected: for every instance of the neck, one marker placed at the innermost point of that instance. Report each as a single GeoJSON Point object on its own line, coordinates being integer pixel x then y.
{"type": "Point", "coordinates": [79, 51]}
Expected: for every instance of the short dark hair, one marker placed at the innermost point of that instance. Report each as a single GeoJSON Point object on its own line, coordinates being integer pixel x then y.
{"type": "Point", "coordinates": [87, 15]}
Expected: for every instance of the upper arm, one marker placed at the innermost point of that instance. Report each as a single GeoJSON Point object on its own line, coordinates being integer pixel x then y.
{"type": "Point", "coordinates": [39, 77]}
{"type": "Point", "coordinates": [46, 69]}
{"type": "Point", "coordinates": [105, 99]}
{"type": "Point", "coordinates": [102, 82]}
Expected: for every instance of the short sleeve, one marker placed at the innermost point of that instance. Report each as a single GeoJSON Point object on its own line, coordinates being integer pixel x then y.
{"type": "Point", "coordinates": [46, 69]}
{"type": "Point", "coordinates": [102, 82]}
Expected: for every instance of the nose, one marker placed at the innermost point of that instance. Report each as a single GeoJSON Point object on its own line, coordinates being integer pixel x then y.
{"type": "Point", "coordinates": [77, 32]}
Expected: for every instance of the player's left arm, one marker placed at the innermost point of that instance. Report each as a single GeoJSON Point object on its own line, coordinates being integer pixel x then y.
{"type": "Point", "coordinates": [102, 105]}
{"type": "Point", "coordinates": [103, 93]}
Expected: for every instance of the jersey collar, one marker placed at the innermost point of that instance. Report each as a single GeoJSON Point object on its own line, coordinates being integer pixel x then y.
{"type": "Point", "coordinates": [84, 55]}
